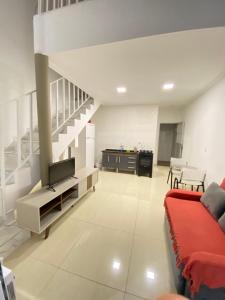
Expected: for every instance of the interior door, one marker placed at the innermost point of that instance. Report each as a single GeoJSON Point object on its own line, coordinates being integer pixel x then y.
{"type": "Point", "coordinates": [170, 142]}
{"type": "Point", "coordinates": [167, 138]}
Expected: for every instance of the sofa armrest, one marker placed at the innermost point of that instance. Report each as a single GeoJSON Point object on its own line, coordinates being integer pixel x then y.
{"type": "Point", "coordinates": [184, 195]}
{"type": "Point", "coordinates": [203, 268]}
{"type": "Point", "coordinates": [223, 184]}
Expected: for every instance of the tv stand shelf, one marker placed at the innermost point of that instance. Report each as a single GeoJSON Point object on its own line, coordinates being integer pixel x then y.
{"type": "Point", "coordinates": [36, 212]}
{"type": "Point", "coordinates": [53, 204]}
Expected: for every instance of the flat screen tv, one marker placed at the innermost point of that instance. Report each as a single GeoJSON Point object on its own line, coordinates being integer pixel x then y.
{"type": "Point", "coordinates": [61, 170]}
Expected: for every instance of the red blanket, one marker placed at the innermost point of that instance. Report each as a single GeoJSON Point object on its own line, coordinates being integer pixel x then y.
{"type": "Point", "coordinates": [205, 268]}
{"type": "Point", "coordinates": [194, 230]}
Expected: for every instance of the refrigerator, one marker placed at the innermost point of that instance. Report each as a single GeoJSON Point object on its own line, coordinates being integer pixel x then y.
{"type": "Point", "coordinates": [90, 145]}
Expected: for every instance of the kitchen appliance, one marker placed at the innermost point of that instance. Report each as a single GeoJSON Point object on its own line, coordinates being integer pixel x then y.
{"type": "Point", "coordinates": [145, 163]}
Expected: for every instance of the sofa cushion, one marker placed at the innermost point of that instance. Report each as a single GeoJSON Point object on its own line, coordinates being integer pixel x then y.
{"type": "Point", "coordinates": [221, 221]}
{"type": "Point", "coordinates": [214, 200]}
{"type": "Point", "coordinates": [193, 229]}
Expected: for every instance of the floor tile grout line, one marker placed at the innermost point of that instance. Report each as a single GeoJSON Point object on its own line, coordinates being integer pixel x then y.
{"type": "Point", "coordinates": [50, 279]}
{"type": "Point", "coordinates": [132, 246]}
{"type": "Point", "coordinates": [75, 242]}
{"type": "Point", "coordinates": [45, 263]}
{"type": "Point", "coordinates": [58, 268]}
{"type": "Point", "coordinates": [91, 280]}
{"type": "Point", "coordinates": [11, 239]}
{"type": "Point", "coordinates": [67, 253]}
{"type": "Point", "coordinates": [102, 226]}
{"type": "Point", "coordinates": [100, 283]}
{"type": "Point", "coordinates": [128, 293]}
{"type": "Point", "coordinates": [71, 218]}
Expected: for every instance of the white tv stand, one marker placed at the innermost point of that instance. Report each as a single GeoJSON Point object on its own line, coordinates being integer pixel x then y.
{"type": "Point", "coordinates": [38, 211]}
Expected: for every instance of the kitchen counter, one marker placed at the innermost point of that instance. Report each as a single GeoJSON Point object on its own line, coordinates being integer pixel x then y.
{"type": "Point", "coordinates": [123, 160]}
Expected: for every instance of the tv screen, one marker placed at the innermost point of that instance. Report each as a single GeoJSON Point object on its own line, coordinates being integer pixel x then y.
{"type": "Point", "coordinates": [61, 170]}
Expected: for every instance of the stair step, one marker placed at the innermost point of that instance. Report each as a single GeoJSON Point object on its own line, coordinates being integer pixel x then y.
{"type": "Point", "coordinates": [7, 233]}
{"type": "Point", "coordinates": [11, 147]}
{"type": "Point", "coordinates": [7, 174]}
{"type": "Point", "coordinates": [12, 241]}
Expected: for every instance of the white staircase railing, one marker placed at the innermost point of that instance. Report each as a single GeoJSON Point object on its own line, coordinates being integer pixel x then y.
{"type": "Point", "coordinates": [19, 116]}
{"type": "Point", "coordinates": [66, 99]}
{"type": "Point", "coordinates": [48, 5]}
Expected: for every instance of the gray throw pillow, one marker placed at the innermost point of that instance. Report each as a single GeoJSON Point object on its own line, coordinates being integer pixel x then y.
{"type": "Point", "coordinates": [221, 221]}
{"type": "Point", "coordinates": [214, 200]}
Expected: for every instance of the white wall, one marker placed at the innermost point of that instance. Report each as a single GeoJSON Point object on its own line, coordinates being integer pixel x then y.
{"type": "Point", "coordinates": [17, 72]}
{"type": "Point", "coordinates": [204, 141]}
{"type": "Point", "coordinates": [53, 75]}
{"type": "Point", "coordinates": [171, 115]}
{"type": "Point", "coordinates": [127, 125]}
{"type": "Point", "coordinates": [16, 52]}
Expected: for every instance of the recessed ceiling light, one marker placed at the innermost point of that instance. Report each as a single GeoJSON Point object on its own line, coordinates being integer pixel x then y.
{"type": "Point", "coordinates": [121, 89]}
{"type": "Point", "coordinates": [168, 86]}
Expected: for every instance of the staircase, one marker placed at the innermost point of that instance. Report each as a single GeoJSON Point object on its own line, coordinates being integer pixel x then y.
{"type": "Point", "coordinates": [73, 128]}
{"type": "Point", "coordinates": [71, 110]}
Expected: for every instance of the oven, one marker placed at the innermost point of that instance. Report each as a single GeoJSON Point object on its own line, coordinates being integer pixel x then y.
{"type": "Point", "coordinates": [145, 163]}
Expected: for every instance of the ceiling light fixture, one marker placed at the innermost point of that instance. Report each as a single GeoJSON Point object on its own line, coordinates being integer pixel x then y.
{"type": "Point", "coordinates": [121, 89]}
{"type": "Point", "coordinates": [168, 86]}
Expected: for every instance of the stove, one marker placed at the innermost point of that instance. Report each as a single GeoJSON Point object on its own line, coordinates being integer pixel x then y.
{"type": "Point", "coordinates": [145, 163]}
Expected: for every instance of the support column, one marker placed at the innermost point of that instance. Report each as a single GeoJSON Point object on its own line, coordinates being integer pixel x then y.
{"type": "Point", "coordinates": [44, 115]}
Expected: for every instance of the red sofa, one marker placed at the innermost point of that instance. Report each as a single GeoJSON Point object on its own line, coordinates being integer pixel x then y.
{"type": "Point", "coordinates": [198, 243]}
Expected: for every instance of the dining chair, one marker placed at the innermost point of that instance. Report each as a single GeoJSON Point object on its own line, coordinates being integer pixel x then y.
{"type": "Point", "coordinates": [176, 165]}
{"type": "Point", "coordinates": [192, 177]}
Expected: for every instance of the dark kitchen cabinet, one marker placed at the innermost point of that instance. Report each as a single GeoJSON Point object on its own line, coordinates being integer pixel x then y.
{"type": "Point", "coordinates": [113, 158]}
{"type": "Point", "coordinates": [109, 160]}
{"type": "Point", "coordinates": [105, 160]}
{"type": "Point", "coordinates": [119, 160]}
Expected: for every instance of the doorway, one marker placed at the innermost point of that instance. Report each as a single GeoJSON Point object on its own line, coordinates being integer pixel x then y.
{"type": "Point", "coordinates": [170, 143]}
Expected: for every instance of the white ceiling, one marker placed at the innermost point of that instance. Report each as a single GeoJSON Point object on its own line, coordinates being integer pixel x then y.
{"type": "Point", "coordinates": [193, 60]}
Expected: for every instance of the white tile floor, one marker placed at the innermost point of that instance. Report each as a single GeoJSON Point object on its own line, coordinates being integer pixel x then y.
{"type": "Point", "coordinates": [110, 246]}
